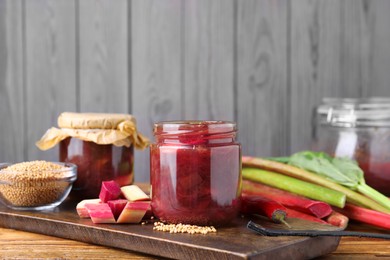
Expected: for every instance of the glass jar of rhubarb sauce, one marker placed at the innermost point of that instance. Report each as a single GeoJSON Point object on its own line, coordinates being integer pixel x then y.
{"type": "Point", "coordinates": [97, 163]}
{"type": "Point", "coordinates": [195, 172]}
{"type": "Point", "coordinates": [358, 129]}
{"type": "Point", "coordinates": [101, 145]}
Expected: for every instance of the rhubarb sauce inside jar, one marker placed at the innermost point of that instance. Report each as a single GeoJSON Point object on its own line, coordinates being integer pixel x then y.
{"type": "Point", "coordinates": [100, 144]}
{"type": "Point", "coordinates": [358, 129]}
{"type": "Point", "coordinates": [195, 172]}
{"type": "Point", "coordinates": [97, 163]}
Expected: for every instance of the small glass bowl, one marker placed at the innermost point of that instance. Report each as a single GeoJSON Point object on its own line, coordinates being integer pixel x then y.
{"type": "Point", "coordinates": [38, 190]}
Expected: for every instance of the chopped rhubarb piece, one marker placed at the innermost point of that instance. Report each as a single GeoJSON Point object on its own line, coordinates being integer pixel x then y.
{"type": "Point", "coordinates": [134, 193]}
{"type": "Point", "coordinates": [117, 206]}
{"type": "Point", "coordinates": [149, 213]}
{"type": "Point", "coordinates": [100, 213]}
{"type": "Point", "coordinates": [82, 210]}
{"type": "Point", "coordinates": [337, 219]}
{"type": "Point", "coordinates": [133, 212]}
{"type": "Point", "coordinates": [110, 190]}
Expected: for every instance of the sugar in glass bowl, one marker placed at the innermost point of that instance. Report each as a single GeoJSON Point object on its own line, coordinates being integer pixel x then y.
{"type": "Point", "coordinates": [35, 185]}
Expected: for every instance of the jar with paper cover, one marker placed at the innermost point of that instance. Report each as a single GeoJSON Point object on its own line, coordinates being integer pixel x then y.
{"type": "Point", "coordinates": [358, 129]}
{"type": "Point", "coordinates": [101, 145]}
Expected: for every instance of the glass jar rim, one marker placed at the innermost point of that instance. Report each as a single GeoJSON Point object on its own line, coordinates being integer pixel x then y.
{"type": "Point", "coordinates": [353, 112]}
{"type": "Point", "coordinates": [167, 128]}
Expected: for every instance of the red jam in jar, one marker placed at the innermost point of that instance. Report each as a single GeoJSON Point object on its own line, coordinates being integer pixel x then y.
{"type": "Point", "coordinates": [358, 129]}
{"type": "Point", "coordinates": [97, 163]}
{"type": "Point", "coordinates": [101, 145]}
{"type": "Point", "coordinates": [195, 172]}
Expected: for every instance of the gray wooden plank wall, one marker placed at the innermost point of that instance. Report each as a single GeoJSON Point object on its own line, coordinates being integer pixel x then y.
{"type": "Point", "coordinates": [262, 63]}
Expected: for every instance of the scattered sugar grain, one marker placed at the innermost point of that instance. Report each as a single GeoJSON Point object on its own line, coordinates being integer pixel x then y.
{"type": "Point", "coordinates": [183, 228]}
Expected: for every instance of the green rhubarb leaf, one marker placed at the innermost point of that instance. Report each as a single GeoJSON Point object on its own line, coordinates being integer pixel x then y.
{"type": "Point", "coordinates": [349, 168]}
{"type": "Point", "coordinates": [322, 164]}
{"type": "Point", "coordinates": [343, 171]}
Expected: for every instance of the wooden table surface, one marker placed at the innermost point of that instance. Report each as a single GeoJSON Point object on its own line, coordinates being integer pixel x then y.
{"type": "Point", "coordinates": [15, 244]}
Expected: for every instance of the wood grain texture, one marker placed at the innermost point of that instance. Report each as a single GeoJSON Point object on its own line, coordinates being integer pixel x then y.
{"type": "Point", "coordinates": [265, 64]}
{"type": "Point", "coordinates": [332, 55]}
{"type": "Point", "coordinates": [156, 41]}
{"type": "Point", "coordinates": [230, 242]}
{"type": "Point", "coordinates": [355, 46]}
{"type": "Point", "coordinates": [15, 244]}
{"type": "Point", "coordinates": [315, 64]}
{"type": "Point", "coordinates": [103, 60]}
{"type": "Point", "coordinates": [262, 77]}
{"type": "Point", "coordinates": [12, 116]}
{"type": "Point", "coordinates": [361, 248]}
{"type": "Point", "coordinates": [209, 60]}
{"type": "Point", "coordinates": [378, 20]}
{"type": "Point", "coordinates": [50, 69]}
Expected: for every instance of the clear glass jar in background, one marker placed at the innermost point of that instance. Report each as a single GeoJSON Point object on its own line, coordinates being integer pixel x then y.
{"type": "Point", "coordinates": [195, 172]}
{"type": "Point", "coordinates": [358, 129]}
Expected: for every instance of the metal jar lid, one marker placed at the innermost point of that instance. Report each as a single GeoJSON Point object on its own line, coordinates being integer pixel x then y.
{"type": "Point", "coordinates": [351, 112]}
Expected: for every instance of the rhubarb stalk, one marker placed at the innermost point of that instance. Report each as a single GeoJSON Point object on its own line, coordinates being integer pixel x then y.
{"type": "Point", "coordinates": [367, 216]}
{"type": "Point", "coordinates": [254, 204]}
{"type": "Point", "coordinates": [302, 174]}
{"type": "Point", "coordinates": [317, 208]}
{"type": "Point", "coordinates": [294, 185]}
{"type": "Point", "coordinates": [337, 219]}
{"type": "Point", "coordinates": [291, 213]}
{"type": "Point", "coordinates": [343, 171]}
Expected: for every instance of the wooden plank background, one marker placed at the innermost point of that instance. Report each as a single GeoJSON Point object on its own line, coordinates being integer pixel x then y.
{"type": "Point", "coordinates": [262, 63]}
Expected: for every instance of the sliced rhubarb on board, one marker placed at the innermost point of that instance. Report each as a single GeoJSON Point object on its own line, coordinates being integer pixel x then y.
{"type": "Point", "coordinates": [82, 210]}
{"type": "Point", "coordinates": [117, 206]}
{"type": "Point", "coordinates": [100, 213]}
{"type": "Point", "coordinates": [110, 190]}
{"type": "Point", "coordinates": [133, 212]}
{"type": "Point", "coordinates": [134, 193]}
{"type": "Point", "coordinates": [149, 213]}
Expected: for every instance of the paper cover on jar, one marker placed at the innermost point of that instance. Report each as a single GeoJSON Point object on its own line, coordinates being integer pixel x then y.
{"type": "Point", "coordinates": [100, 128]}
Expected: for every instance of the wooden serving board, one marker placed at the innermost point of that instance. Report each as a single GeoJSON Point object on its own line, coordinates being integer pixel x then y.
{"type": "Point", "coordinates": [233, 242]}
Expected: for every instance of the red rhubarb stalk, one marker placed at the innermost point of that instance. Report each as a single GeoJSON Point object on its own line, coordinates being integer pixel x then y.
{"type": "Point", "coordinates": [300, 215]}
{"type": "Point", "coordinates": [368, 216]}
{"type": "Point", "coordinates": [337, 219]}
{"type": "Point", "coordinates": [117, 206]}
{"type": "Point", "coordinates": [292, 171]}
{"type": "Point", "coordinates": [317, 208]}
{"type": "Point", "coordinates": [254, 204]}
{"type": "Point", "coordinates": [110, 190]}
